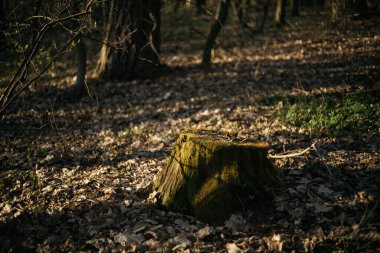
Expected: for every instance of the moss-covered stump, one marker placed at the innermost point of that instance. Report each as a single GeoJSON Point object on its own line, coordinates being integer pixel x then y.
{"type": "Point", "coordinates": [210, 175]}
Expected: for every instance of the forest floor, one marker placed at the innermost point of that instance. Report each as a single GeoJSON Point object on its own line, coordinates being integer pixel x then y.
{"type": "Point", "coordinates": [78, 176]}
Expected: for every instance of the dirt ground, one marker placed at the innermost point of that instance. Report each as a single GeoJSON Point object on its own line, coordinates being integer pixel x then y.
{"type": "Point", "coordinates": [78, 176]}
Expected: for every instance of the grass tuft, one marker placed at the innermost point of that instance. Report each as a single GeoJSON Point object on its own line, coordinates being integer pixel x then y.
{"type": "Point", "coordinates": [332, 116]}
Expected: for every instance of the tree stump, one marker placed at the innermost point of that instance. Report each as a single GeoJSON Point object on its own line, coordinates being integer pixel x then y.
{"type": "Point", "coordinates": [210, 175]}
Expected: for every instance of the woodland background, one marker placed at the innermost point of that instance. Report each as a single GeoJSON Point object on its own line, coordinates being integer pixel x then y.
{"type": "Point", "coordinates": [93, 94]}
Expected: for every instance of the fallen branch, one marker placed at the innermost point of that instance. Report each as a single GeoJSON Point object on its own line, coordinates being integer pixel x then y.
{"type": "Point", "coordinates": [295, 154]}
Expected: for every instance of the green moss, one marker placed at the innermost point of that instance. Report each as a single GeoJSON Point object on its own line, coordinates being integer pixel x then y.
{"type": "Point", "coordinates": [215, 202]}
{"type": "Point", "coordinates": [210, 186]}
{"type": "Point", "coordinates": [206, 169]}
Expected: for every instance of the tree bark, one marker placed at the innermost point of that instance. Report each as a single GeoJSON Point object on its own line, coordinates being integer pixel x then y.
{"type": "Point", "coordinates": [238, 5]}
{"type": "Point", "coordinates": [280, 13]}
{"type": "Point", "coordinates": [133, 30]}
{"type": "Point", "coordinates": [210, 175]}
{"type": "Point", "coordinates": [81, 58]}
{"type": "Point", "coordinates": [265, 8]}
{"type": "Point", "coordinates": [77, 91]}
{"type": "Point", "coordinates": [220, 20]}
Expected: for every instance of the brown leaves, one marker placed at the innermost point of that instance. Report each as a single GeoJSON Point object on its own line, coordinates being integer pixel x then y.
{"type": "Point", "coordinates": [92, 163]}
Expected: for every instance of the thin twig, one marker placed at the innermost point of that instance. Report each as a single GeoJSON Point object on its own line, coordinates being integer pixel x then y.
{"type": "Point", "coordinates": [363, 219]}
{"type": "Point", "coordinates": [322, 201]}
{"type": "Point", "coordinates": [13, 96]}
{"type": "Point", "coordinates": [10, 92]}
{"type": "Point", "coordinates": [295, 154]}
{"type": "Point", "coordinates": [109, 44]}
{"type": "Point", "coordinates": [367, 214]}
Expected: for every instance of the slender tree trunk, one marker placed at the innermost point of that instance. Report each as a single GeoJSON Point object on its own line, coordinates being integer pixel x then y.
{"type": "Point", "coordinates": [81, 58]}
{"type": "Point", "coordinates": [266, 4]}
{"type": "Point", "coordinates": [77, 91]}
{"type": "Point", "coordinates": [295, 7]}
{"type": "Point", "coordinates": [133, 31]}
{"type": "Point", "coordinates": [238, 5]}
{"type": "Point", "coordinates": [220, 20]}
{"type": "Point", "coordinates": [280, 13]}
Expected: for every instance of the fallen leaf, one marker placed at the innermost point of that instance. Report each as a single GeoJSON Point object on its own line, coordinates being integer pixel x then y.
{"type": "Point", "coordinates": [204, 232]}
{"type": "Point", "coordinates": [235, 223]}
{"type": "Point", "coordinates": [325, 191]}
{"type": "Point", "coordinates": [233, 248]}
{"type": "Point", "coordinates": [128, 239]}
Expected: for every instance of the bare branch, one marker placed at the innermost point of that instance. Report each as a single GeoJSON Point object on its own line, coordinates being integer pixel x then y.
{"type": "Point", "coordinates": [295, 154]}
{"type": "Point", "coordinates": [15, 85]}
{"type": "Point", "coordinates": [9, 100]}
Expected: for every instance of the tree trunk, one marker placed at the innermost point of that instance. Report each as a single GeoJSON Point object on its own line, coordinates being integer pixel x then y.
{"type": "Point", "coordinates": [220, 20]}
{"type": "Point", "coordinates": [131, 40]}
{"type": "Point", "coordinates": [265, 8]}
{"type": "Point", "coordinates": [295, 7]}
{"type": "Point", "coordinates": [81, 58]}
{"type": "Point", "coordinates": [77, 91]}
{"type": "Point", "coordinates": [211, 174]}
{"type": "Point", "coordinates": [280, 13]}
{"type": "Point", "coordinates": [238, 6]}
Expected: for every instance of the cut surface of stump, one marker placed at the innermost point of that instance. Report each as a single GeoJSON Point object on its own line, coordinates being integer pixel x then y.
{"type": "Point", "coordinates": [210, 175]}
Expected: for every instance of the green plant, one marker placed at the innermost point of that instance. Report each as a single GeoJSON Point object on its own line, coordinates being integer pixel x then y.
{"type": "Point", "coordinates": [33, 181]}
{"type": "Point", "coordinates": [332, 116]}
